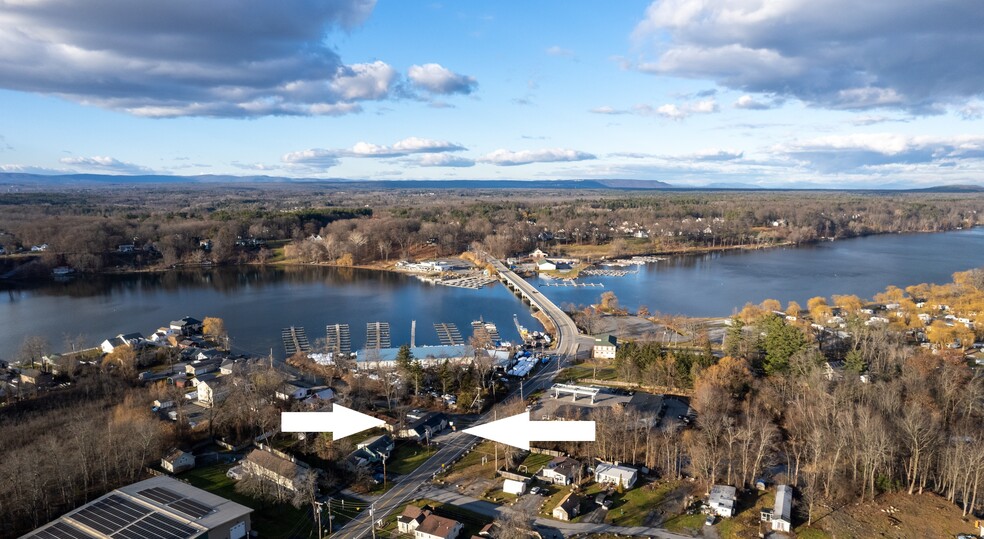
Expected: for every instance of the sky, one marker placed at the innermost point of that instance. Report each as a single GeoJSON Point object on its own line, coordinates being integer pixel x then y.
{"type": "Point", "coordinates": [771, 93]}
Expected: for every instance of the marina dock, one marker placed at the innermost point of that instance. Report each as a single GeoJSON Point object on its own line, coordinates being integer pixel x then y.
{"type": "Point", "coordinates": [339, 339]}
{"type": "Point", "coordinates": [448, 334]}
{"type": "Point", "coordinates": [573, 284]}
{"type": "Point", "coordinates": [295, 340]}
{"type": "Point", "coordinates": [378, 335]}
{"type": "Point", "coordinates": [486, 331]}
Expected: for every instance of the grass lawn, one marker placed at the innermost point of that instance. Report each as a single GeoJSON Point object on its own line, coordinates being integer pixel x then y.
{"type": "Point", "coordinates": [533, 463]}
{"type": "Point", "coordinates": [587, 370]}
{"type": "Point", "coordinates": [278, 521]}
{"type": "Point", "coordinates": [407, 457]}
{"type": "Point", "coordinates": [633, 506]}
{"type": "Point", "coordinates": [557, 493]}
{"type": "Point", "coordinates": [685, 523]}
{"type": "Point", "coordinates": [472, 462]}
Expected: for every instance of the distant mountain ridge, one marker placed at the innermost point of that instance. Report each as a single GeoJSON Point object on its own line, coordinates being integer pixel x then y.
{"type": "Point", "coordinates": [79, 179]}
{"type": "Point", "coordinates": [82, 180]}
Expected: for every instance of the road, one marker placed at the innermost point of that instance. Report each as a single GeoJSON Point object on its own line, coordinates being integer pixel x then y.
{"type": "Point", "coordinates": [457, 443]}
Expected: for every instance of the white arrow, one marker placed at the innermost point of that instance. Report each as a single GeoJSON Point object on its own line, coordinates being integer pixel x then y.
{"type": "Point", "coordinates": [340, 422]}
{"type": "Point", "coordinates": [519, 431]}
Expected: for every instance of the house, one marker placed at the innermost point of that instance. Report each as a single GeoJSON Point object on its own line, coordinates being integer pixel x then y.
{"type": "Point", "coordinates": [411, 518]}
{"type": "Point", "coordinates": [561, 471]}
{"type": "Point", "coordinates": [721, 500]}
{"type": "Point", "coordinates": [615, 474]}
{"type": "Point", "coordinates": [177, 461]}
{"type": "Point", "coordinates": [295, 390]}
{"type": "Point", "coordinates": [546, 265]}
{"type": "Point", "coordinates": [372, 450]}
{"type": "Point", "coordinates": [198, 368]}
{"type": "Point", "coordinates": [568, 508]}
{"type": "Point", "coordinates": [320, 395]}
{"type": "Point", "coordinates": [123, 339]}
{"type": "Point", "coordinates": [187, 325]}
{"type": "Point", "coordinates": [213, 391]}
{"type": "Point", "coordinates": [538, 254]}
{"type": "Point", "coordinates": [435, 527]}
{"type": "Point", "coordinates": [605, 347]}
{"type": "Point", "coordinates": [424, 427]}
{"type": "Point", "coordinates": [783, 509]}
{"type": "Point", "coordinates": [35, 377]}
{"type": "Point", "coordinates": [288, 473]}
{"type": "Point", "coordinates": [141, 509]}
{"type": "Point", "coordinates": [514, 487]}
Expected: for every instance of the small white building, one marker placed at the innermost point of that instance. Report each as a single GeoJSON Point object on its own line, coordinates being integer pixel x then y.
{"type": "Point", "coordinates": [615, 474]}
{"type": "Point", "coordinates": [511, 486]}
{"type": "Point", "coordinates": [722, 500]}
{"type": "Point", "coordinates": [177, 461]}
{"type": "Point", "coordinates": [783, 510]}
{"type": "Point", "coordinates": [546, 265]}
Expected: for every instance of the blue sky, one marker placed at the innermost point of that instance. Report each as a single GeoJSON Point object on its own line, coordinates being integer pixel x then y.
{"type": "Point", "coordinates": [781, 93]}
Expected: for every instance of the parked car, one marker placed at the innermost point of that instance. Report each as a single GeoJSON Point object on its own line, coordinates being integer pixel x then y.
{"type": "Point", "coordinates": [709, 521]}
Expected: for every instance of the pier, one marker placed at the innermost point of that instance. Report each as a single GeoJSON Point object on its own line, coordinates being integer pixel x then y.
{"type": "Point", "coordinates": [470, 281]}
{"type": "Point", "coordinates": [448, 334]}
{"type": "Point", "coordinates": [486, 331]}
{"type": "Point", "coordinates": [295, 340]}
{"type": "Point", "coordinates": [339, 339]}
{"type": "Point", "coordinates": [576, 285]}
{"type": "Point", "coordinates": [378, 335]}
{"type": "Point", "coordinates": [608, 272]}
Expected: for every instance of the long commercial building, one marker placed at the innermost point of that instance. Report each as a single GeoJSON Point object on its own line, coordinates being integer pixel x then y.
{"type": "Point", "coordinates": [158, 508]}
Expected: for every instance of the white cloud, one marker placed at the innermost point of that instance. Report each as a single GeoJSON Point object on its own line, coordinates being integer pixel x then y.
{"type": "Point", "coordinates": [863, 152]}
{"type": "Point", "coordinates": [557, 50]}
{"type": "Point", "coordinates": [326, 158]}
{"type": "Point", "coordinates": [437, 79]}
{"type": "Point", "coordinates": [444, 160]}
{"type": "Point", "coordinates": [104, 164]}
{"type": "Point", "coordinates": [606, 109]}
{"type": "Point", "coordinates": [749, 103]}
{"type": "Point", "coordinates": [508, 158]}
{"type": "Point", "coordinates": [363, 81]}
{"type": "Point", "coordinates": [907, 54]}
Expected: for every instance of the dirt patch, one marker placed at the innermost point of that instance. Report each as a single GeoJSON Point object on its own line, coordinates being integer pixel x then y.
{"type": "Point", "coordinates": [896, 516]}
{"type": "Point", "coordinates": [635, 328]}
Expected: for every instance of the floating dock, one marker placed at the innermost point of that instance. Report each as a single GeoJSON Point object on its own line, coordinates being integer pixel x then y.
{"type": "Point", "coordinates": [471, 281]}
{"type": "Point", "coordinates": [378, 335]}
{"type": "Point", "coordinates": [608, 272]}
{"type": "Point", "coordinates": [449, 334]}
{"type": "Point", "coordinates": [486, 331]}
{"type": "Point", "coordinates": [339, 339]}
{"type": "Point", "coordinates": [576, 285]}
{"type": "Point", "coordinates": [295, 340]}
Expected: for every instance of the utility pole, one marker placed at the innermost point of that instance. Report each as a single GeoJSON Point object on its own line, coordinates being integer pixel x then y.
{"type": "Point", "coordinates": [372, 519]}
{"type": "Point", "coordinates": [317, 508]}
{"type": "Point", "coordinates": [330, 517]}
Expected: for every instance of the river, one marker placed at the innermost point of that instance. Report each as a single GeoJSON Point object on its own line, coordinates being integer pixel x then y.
{"type": "Point", "coordinates": [257, 303]}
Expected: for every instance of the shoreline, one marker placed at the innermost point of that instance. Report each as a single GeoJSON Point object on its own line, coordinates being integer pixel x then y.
{"type": "Point", "coordinates": [388, 266]}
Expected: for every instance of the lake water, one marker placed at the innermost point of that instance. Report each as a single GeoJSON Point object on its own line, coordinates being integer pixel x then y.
{"type": "Point", "coordinates": [717, 284]}
{"type": "Point", "coordinates": [257, 303]}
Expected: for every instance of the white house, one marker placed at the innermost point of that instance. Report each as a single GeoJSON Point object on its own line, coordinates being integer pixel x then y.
{"type": "Point", "coordinates": [722, 500]}
{"type": "Point", "coordinates": [605, 347]}
{"type": "Point", "coordinates": [782, 512]}
{"type": "Point", "coordinates": [123, 339]}
{"type": "Point", "coordinates": [546, 265]}
{"type": "Point", "coordinates": [177, 461]}
{"type": "Point", "coordinates": [568, 508]}
{"type": "Point", "coordinates": [435, 527]}
{"type": "Point", "coordinates": [561, 471]}
{"type": "Point", "coordinates": [411, 517]}
{"type": "Point", "coordinates": [615, 474]}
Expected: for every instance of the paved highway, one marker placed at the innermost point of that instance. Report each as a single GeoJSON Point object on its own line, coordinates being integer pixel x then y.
{"type": "Point", "coordinates": [457, 443]}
